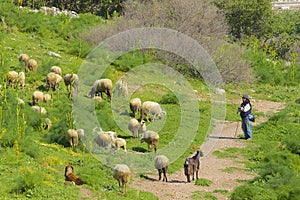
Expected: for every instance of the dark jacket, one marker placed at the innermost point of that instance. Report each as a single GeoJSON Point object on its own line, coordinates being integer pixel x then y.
{"type": "Point", "coordinates": [245, 114]}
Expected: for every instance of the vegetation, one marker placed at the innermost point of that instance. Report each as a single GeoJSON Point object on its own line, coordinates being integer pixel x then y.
{"type": "Point", "coordinates": [261, 51]}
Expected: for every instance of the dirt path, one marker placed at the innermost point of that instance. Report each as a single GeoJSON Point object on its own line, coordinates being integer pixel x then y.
{"type": "Point", "coordinates": [212, 167]}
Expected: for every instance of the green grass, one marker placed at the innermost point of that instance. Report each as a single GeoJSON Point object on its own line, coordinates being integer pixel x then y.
{"type": "Point", "coordinates": [203, 182]}
{"type": "Point", "coordinates": [203, 195]}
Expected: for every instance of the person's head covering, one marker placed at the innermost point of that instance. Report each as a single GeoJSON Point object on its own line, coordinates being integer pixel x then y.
{"type": "Point", "coordinates": [245, 96]}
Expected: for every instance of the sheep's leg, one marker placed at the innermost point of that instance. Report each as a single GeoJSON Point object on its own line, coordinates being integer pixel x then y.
{"type": "Point", "coordinates": [165, 174]}
{"type": "Point", "coordinates": [197, 173]}
{"type": "Point", "coordinates": [159, 174]}
{"type": "Point", "coordinates": [188, 178]}
{"type": "Point", "coordinates": [193, 172]}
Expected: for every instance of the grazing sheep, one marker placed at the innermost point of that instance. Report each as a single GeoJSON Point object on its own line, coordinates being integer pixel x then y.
{"type": "Point", "coordinates": [192, 165]}
{"type": "Point", "coordinates": [98, 99]}
{"type": "Point", "coordinates": [24, 58]}
{"type": "Point", "coordinates": [121, 89]}
{"type": "Point", "coordinates": [39, 109]}
{"type": "Point", "coordinates": [38, 96]}
{"type": "Point", "coordinates": [120, 142]}
{"type": "Point", "coordinates": [20, 101]}
{"type": "Point", "coordinates": [48, 124]}
{"type": "Point", "coordinates": [151, 138]}
{"type": "Point", "coordinates": [135, 105]}
{"type": "Point", "coordinates": [102, 85]}
{"type": "Point", "coordinates": [106, 139]}
{"type": "Point", "coordinates": [56, 70]}
{"type": "Point", "coordinates": [12, 78]}
{"type": "Point", "coordinates": [71, 177]}
{"type": "Point", "coordinates": [122, 175]}
{"type": "Point", "coordinates": [161, 163]}
{"type": "Point", "coordinates": [15, 77]}
{"type": "Point", "coordinates": [71, 80]}
{"type": "Point", "coordinates": [72, 137]}
{"type": "Point", "coordinates": [32, 65]}
{"type": "Point", "coordinates": [136, 127]}
{"type": "Point", "coordinates": [151, 108]}
{"type": "Point", "coordinates": [22, 79]}
{"type": "Point", "coordinates": [52, 81]}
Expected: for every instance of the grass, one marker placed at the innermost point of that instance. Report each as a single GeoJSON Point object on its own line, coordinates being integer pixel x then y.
{"type": "Point", "coordinates": [203, 182]}
{"type": "Point", "coordinates": [203, 195]}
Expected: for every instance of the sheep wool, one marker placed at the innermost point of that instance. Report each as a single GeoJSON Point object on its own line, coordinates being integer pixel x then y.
{"type": "Point", "coordinates": [122, 174]}
{"type": "Point", "coordinates": [72, 137]}
{"type": "Point", "coordinates": [161, 161]}
{"type": "Point", "coordinates": [151, 108]}
{"type": "Point", "coordinates": [71, 80]}
{"type": "Point", "coordinates": [135, 105]}
{"type": "Point", "coordinates": [100, 86]}
{"type": "Point", "coordinates": [12, 77]}
{"type": "Point", "coordinates": [24, 58]}
{"type": "Point", "coordinates": [39, 109]}
{"type": "Point", "coordinates": [151, 138]}
{"type": "Point", "coordinates": [52, 80]}
{"type": "Point", "coordinates": [37, 96]}
{"type": "Point", "coordinates": [136, 127]}
{"type": "Point", "coordinates": [32, 65]}
{"type": "Point", "coordinates": [56, 70]}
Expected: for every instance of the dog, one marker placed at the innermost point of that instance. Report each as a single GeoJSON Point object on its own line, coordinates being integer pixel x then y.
{"type": "Point", "coordinates": [71, 177]}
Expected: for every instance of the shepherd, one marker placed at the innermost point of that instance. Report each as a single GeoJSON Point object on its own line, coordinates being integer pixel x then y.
{"type": "Point", "coordinates": [245, 110]}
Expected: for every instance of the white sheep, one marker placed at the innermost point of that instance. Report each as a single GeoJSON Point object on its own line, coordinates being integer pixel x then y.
{"type": "Point", "coordinates": [122, 174]}
{"type": "Point", "coordinates": [71, 80]}
{"type": "Point", "coordinates": [106, 139]}
{"type": "Point", "coordinates": [24, 58]}
{"type": "Point", "coordinates": [48, 124]}
{"type": "Point", "coordinates": [39, 109]}
{"type": "Point", "coordinates": [136, 127]}
{"type": "Point", "coordinates": [151, 138]}
{"type": "Point", "coordinates": [32, 65]}
{"type": "Point", "coordinates": [20, 101]}
{"type": "Point", "coordinates": [151, 108]}
{"type": "Point", "coordinates": [52, 81]}
{"type": "Point", "coordinates": [161, 163]}
{"type": "Point", "coordinates": [56, 70]}
{"type": "Point", "coordinates": [100, 86]}
{"type": "Point", "coordinates": [121, 89]}
{"type": "Point", "coordinates": [14, 77]}
{"type": "Point", "coordinates": [72, 137]}
{"type": "Point", "coordinates": [120, 142]}
{"type": "Point", "coordinates": [135, 105]}
{"type": "Point", "coordinates": [39, 96]}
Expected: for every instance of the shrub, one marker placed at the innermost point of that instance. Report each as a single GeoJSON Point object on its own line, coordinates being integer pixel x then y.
{"type": "Point", "coordinates": [169, 98]}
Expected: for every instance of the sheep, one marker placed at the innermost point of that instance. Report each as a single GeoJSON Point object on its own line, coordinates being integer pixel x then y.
{"type": "Point", "coordinates": [72, 137]}
{"type": "Point", "coordinates": [120, 142]}
{"type": "Point", "coordinates": [71, 177]}
{"type": "Point", "coordinates": [71, 80]}
{"type": "Point", "coordinates": [192, 165]}
{"type": "Point", "coordinates": [121, 89]}
{"type": "Point", "coordinates": [122, 174]}
{"type": "Point", "coordinates": [52, 81]}
{"type": "Point", "coordinates": [56, 70]}
{"type": "Point", "coordinates": [22, 79]}
{"type": "Point", "coordinates": [12, 78]}
{"type": "Point", "coordinates": [161, 163]}
{"type": "Point", "coordinates": [102, 85]}
{"type": "Point", "coordinates": [106, 139]}
{"type": "Point", "coordinates": [40, 96]}
{"type": "Point", "coordinates": [32, 65]}
{"type": "Point", "coordinates": [151, 138]}
{"type": "Point", "coordinates": [20, 101]}
{"type": "Point", "coordinates": [135, 105]}
{"type": "Point", "coordinates": [151, 108]}
{"type": "Point", "coordinates": [15, 77]}
{"type": "Point", "coordinates": [136, 127]}
{"type": "Point", "coordinates": [39, 109]}
{"type": "Point", "coordinates": [24, 58]}
{"type": "Point", "coordinates": [48, 124]}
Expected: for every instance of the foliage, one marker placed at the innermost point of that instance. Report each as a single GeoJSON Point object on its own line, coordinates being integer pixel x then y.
{"type": "Point", "coordinates": [203, 182]}
{"type": "Point", "coordinates": [203, 195]}
{"type": "Point", "coordinates": [276, 160]}
{"type": "Point", "coordinates": [169, 98]}
{"type": "Point", "coordinates": [104, 8]}
{"type": "Point", "coordinates": [245, 17]}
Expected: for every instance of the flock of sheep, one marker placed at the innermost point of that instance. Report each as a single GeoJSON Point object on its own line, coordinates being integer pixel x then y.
{"type": "Point", "coordinates": [107, 139]}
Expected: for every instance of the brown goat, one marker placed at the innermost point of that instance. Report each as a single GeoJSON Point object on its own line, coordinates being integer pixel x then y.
{"type": "Point", "coordinates": [192, 165]}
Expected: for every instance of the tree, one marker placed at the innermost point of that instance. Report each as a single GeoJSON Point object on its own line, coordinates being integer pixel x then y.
{"type": "Point", "coordinates": [246, 17]}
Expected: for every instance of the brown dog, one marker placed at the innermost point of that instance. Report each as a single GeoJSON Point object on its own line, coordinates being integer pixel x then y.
{"type": "Point", "coordinates": [71, 177]}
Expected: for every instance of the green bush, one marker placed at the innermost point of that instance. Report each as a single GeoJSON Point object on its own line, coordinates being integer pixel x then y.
{"type": "Point", "coordinates": [169, 98]}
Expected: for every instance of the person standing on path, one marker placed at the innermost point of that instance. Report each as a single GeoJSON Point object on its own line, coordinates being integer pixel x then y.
{"type": "Point", "coordinates": [245, 109]}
